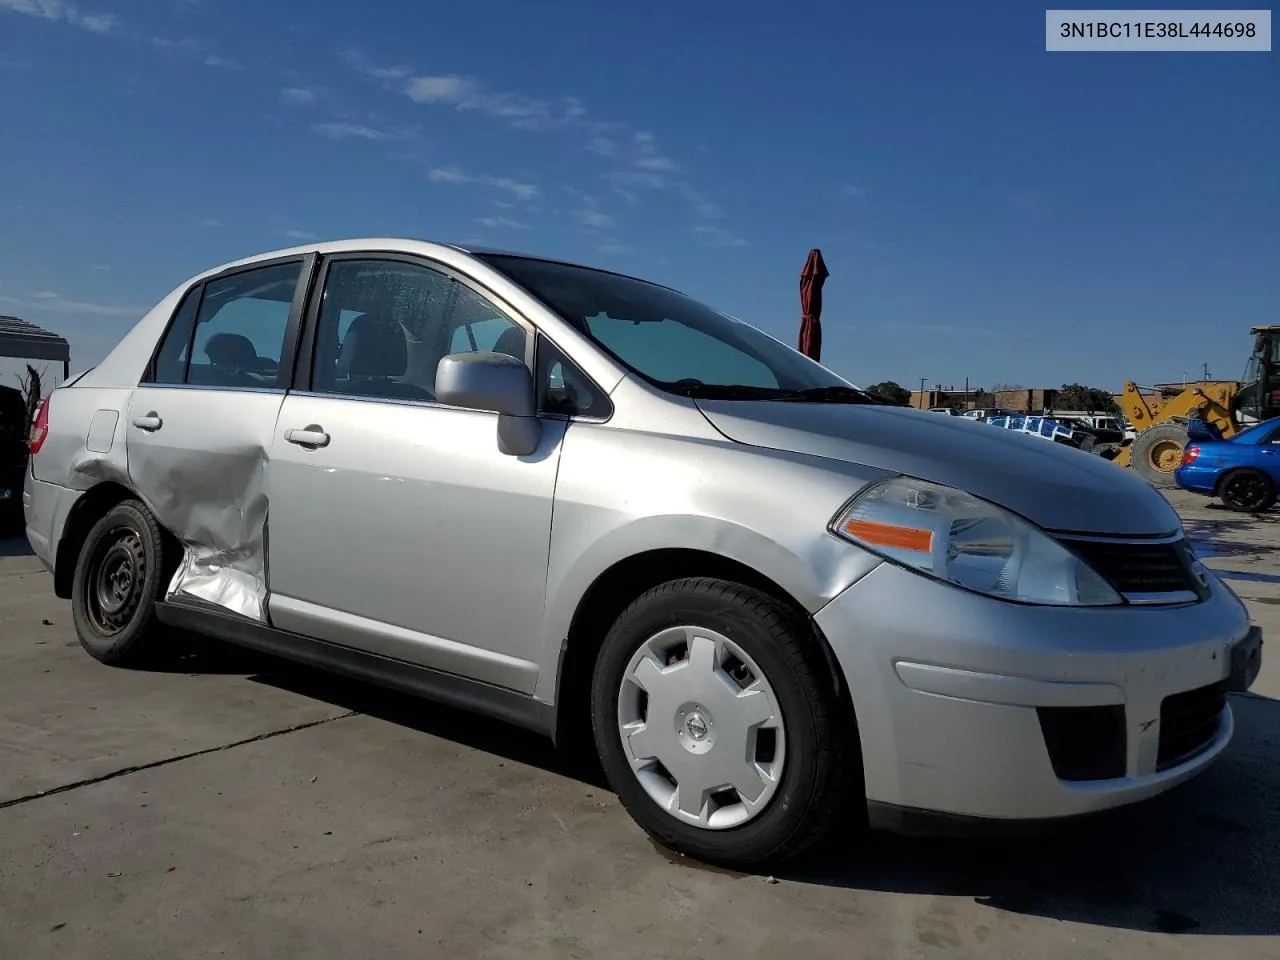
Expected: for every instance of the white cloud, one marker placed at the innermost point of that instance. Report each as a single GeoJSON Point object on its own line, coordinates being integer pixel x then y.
{"type": "Point", "coordinates": [212, 60]}
{"type": "Point", "coordinates": [640, 161]}
{"type": "Point", "coordinates": [300, 96]}
{"type": "Point", "coordinates": [339, 131]}
{"type": "Point", "coordinates": [853, 190]}
{"type": "Point", "coordinates": [209, 223]}
{"type": "Point", "coordinates": [50, 302]}
{"type": "Point", "coordinates": [303, 235]}
{"type": "Point", "coordinates": [614, 248]}
{"type": "Point", "coordinates": [715, 237]}
{"type": "Point", "coordinates": [193, 48]}
{"type": "Point", "coordinates": [521, 191]}
{"type": "Point", "coordinates": [447, 175]}
{"type": "Point", "coordinates": [501, 222]}
{"type": "Point", "coordinates": [60, 10]}
{"type": "Point", "coordinates": [593, 218]}
{"type": "Point", "coordinates": [99, 266]}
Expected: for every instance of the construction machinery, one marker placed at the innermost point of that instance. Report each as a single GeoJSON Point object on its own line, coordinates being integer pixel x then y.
{"type": "Point", "coordinates": [1224, 406]}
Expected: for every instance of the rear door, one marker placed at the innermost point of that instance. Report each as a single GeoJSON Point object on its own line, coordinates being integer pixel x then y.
{"type": "Point", "coordinates": [200, 425]}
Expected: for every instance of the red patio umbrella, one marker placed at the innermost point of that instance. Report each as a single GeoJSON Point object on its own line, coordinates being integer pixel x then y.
{"type": "Point", "coordinates": [812, 277]}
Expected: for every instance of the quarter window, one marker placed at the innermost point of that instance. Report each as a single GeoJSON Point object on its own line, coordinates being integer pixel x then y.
{"type": "Point", "coordinates": [565, 389]}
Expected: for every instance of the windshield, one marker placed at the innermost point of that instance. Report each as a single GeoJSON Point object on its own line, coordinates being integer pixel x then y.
{"type": "Point", "coordinates": [669, 339]}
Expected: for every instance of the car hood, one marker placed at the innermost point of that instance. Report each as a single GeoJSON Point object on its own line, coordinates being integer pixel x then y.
{"type": "Point", "coordinates": [1052, 485]}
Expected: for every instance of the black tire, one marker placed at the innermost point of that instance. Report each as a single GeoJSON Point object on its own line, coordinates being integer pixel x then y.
{"type": "Point", "coordinates": [1157, 453]}
{"type": "Point", "coordinates": [820, 745]}
{"type": "Point", "coordinates": [114, 615]}
{"type": "Point", "coordinates": [1247, 491]}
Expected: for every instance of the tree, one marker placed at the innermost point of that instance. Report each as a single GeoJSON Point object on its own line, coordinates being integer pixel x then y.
{"type": "Point", "coordinates": [892, 391]}
{"type": "Point", "coordinates": [1076, 396]}
{"type": "Point", "coordinates": [32, 390]}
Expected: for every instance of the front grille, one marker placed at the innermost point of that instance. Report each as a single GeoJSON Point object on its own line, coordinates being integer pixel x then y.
{"type": "Point", "coordinates": [1189, 722]}
{"type": "Point", "coordinates": [1139, 567]}
{"type": "Point", "coordinates": [1084, 743]}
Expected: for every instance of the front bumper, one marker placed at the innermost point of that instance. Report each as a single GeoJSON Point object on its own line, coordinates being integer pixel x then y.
{"type": "Point", "coordinates": [959, 696]}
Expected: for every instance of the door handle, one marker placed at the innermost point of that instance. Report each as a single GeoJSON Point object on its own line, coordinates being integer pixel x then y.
{"type": "Point", "coordinates": [312, 436]}
{"type": "Point", "coordinates": [151, 422]}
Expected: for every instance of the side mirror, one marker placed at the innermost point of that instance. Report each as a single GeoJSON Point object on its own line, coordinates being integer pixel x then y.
{"type": "Point", "coordinates": [497, 383]}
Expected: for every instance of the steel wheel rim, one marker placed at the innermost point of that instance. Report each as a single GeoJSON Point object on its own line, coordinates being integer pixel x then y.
{"type": "Point", "coordinates": [701, 728]}
{"type": "Point", "coordinates": [1247, 490]}
{"type": "Point", "coordinates": [114, 585]}
{"type": "Point", "coordinates": [1166, 455]}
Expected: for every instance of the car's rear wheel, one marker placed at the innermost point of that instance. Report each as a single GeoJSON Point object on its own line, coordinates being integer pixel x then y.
{"type": "Point", "coordinates": [1247, 491]}
{"type": "Point", "coordinates": [122, 569]}
{"type": "Point", "coordinates": [717, 723]}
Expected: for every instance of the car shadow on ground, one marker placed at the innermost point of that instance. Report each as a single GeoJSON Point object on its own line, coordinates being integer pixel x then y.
{"type": "Point", "coordinates": [15, 547]}
{"type": "Point", "coordinates": [1204, 859]}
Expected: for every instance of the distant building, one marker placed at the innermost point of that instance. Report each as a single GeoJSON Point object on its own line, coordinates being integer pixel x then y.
{"type": "Point", "coordinates": [1027, 399]}
{"type": "Point", "coordinates": [941, 396]}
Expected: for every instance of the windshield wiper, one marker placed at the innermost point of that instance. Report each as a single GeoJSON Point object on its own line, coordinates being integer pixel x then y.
{"type": "Point", "coordinates": [726, 391]}
{"type": "Point", "coordinates": [832, 394]}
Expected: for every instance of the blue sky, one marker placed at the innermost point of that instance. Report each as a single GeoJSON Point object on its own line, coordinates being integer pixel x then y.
{"type": "Point", "coordinates": [986, 209]}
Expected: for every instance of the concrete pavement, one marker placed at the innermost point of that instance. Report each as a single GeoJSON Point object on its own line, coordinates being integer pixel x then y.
{"type": "Point", "coordinates": [227, 805]}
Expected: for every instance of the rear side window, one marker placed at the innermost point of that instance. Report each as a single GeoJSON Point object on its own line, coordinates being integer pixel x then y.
{"type": "Point", "coordinates": [229, 332]}
{"type": "Point", "coordinates": [171, 359]}
{"type": "Point", "coordinates": [240, 328]}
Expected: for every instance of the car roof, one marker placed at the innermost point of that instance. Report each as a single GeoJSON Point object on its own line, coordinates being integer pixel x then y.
{"type": "Point", "coordinates": [406, 245]}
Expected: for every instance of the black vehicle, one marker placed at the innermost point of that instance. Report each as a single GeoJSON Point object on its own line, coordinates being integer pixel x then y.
{"type": "Point", "coordinates": [13, 459]}
{"type": "Point", "coordinates": [1101, 434]}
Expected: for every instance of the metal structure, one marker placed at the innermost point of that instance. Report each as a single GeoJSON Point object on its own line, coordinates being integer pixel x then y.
{"type": "Point", "coordinates": [25, 341]}
{"type": "Point", "coordinates": [1222, 404]}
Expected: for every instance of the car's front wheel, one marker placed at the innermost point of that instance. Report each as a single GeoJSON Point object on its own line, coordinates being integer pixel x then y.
{"type": "Point", "coordinates": [717, 723]}
{"type": "Point", "coordinates": [1247, 491]}
{"type": "Point", "coordinates": [122, 569]}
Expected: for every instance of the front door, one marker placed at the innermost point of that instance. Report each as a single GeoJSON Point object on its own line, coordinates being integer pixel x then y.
{"type": "Point", "coordinates": [397, 527]}
{"type": "Point", "coordinates": [200, 424]}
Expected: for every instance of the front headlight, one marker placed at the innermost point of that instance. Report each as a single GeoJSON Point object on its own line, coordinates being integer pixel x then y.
{"type": "Point", "coordinates": [953, 536]}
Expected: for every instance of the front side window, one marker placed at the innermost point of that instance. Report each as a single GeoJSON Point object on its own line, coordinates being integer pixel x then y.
{"type": "Point", "coordinates": [239, 332]}
{"type": "Point", "coordinates": [385, 324]}
{"type": "Point", "coordinates": [669, 339]}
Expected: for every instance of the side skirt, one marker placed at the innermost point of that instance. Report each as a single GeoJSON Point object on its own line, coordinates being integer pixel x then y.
{"type": "Point", "coordinates": [506, 705]}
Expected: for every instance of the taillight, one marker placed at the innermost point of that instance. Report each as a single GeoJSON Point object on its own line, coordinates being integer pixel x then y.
{"type": "Point", "coordinates": [1189, 455]}
{"type": "Point", "coordinates": [39, 427]}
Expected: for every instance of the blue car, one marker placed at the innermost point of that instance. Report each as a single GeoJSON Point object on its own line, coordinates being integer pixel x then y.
{"type": "Point", "coordinates": [1244, 471]}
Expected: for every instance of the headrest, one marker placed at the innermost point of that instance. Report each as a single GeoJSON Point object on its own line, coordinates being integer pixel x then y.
{"type": "Point", "coordinates": [511, 342]}
{"type": "Point", "coordinates": [231, 350]}
{"type": "Point", "coordinates": [373, 347]}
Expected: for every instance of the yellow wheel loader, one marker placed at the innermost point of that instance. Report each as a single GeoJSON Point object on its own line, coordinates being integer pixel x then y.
{"type": "Point", "coordinates": [1226, 405]}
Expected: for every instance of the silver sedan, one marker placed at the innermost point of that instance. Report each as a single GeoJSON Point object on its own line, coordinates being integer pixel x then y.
{"type": "Point", "coordinates": [593, 506]}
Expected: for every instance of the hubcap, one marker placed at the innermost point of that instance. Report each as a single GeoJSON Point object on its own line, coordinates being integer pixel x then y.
{"type": "Point", "coordinates": [115, 583]}
{"type": "Point", "coordinates": [701, 728]}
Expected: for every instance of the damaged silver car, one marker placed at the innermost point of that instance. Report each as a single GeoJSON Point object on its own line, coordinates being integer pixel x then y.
{"type": "Point", "coordinates": [592, 506]}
